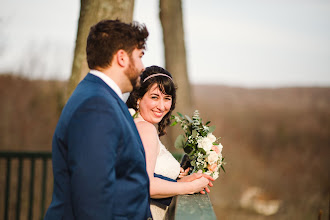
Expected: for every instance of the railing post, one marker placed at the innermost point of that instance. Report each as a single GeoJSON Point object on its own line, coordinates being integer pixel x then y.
{"type": "Point", "coordinates": [21, 182]}
{"type": "Point", "coordinates": [31, 188]}
{"type": "Point", "coordinates": [43, 194]}
{"type": "Point", "coordinates": [7, 188]}
{"type": "Point", "coordinates": [19, 188]}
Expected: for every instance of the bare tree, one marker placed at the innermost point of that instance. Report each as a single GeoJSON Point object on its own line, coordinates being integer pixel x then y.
{"type": "Point", "coordinates": [3, 37]}
{"type": "Point", "coordinates": [175, 57]}
{"type": "Point", "coordinates": [91, 12]}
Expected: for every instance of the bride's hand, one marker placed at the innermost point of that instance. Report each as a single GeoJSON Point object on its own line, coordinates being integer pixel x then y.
{"type": "Point", "coordinates": [198, 185]}
{"type": "Point", "coordinates": [183, 172]}
{"type": "Point", "coordinates": [195, 176]}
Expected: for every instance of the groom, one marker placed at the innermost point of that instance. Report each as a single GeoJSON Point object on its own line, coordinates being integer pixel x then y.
{"type": "Point", "coordinates": [98, 159]}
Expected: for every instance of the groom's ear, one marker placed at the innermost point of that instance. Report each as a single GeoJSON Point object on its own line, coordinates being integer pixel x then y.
{"type": "Point", "coordinates": [122, 58]}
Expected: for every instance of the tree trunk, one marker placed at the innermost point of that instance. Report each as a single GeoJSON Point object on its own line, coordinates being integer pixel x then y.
{"type": "Point", "coordinates": [175, 58]}
{"type": "Point", "coordinates": [91, 12]}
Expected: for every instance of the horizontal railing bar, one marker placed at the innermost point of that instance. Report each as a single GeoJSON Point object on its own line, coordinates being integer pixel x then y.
{"type": "Point", "coordinates": [25, 154]}
{"type": "Point", "coordinates": [194, 207]}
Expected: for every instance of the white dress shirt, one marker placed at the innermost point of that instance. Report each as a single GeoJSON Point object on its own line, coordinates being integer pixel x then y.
{"type": "Point", "coordinates": [108, 81]}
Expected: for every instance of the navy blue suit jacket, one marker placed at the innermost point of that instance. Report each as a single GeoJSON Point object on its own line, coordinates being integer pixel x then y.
{"type": "Point", "coordinates": [98, 158]}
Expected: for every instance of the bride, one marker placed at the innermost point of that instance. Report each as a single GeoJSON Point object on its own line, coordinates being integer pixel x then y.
{"type": "Point", "coordinates": [154, 102]}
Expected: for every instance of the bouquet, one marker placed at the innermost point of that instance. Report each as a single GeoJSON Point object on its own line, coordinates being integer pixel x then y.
{"type": "Point", "coordinates": [201, 147]}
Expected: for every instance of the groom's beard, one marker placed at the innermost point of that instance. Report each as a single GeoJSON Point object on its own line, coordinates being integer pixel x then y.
{"type": "Point", "coordinates": [133, 74]}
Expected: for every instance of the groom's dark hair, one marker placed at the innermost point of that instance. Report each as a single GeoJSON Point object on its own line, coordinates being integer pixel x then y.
{"type": "Point", "coordinates": [108, 36]}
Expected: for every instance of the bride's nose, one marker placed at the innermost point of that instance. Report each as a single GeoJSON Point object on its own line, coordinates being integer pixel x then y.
{"type": "Point", "coordinates": [161, 105]}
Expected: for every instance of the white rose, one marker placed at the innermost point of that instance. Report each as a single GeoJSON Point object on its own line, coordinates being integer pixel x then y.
{"type": "Point", "coordinates": [211, 137]}
{"type": "Point", "coordinates": [220, 147]}
{"type": "Point", "coordinates": [212, 157]}
{"type": "Point", "coordinates": [205, 143]}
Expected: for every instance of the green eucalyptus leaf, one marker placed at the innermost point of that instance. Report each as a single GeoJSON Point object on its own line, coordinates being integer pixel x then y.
{"type": "Point", "coordinates": [174, 123]}
{"type": "Point", "coordinates": [202, 151]}
{"type": "Point", "coordinates": [207, 123]}
{"type": "Point", "coordinates": [135, 115]}
{"type": "Point", "coordinates": [211, 128]}
{"type": "Point", "coordinates": [188, 131]}
{"type": "Point", "coordinates": [179, 142]}
{"type": "Point", "coordinates": [193, 163]}
{"type": "Point", "coordinates": [223, 168]}
{"type": "Point", "coordinates": [205, 156]}
{"type": "Point", "coordinates": [189, 119]}
{"type": "Point", "coordinates": [190, 152]}
{"type": "Point", "coordinates": [180, 114]}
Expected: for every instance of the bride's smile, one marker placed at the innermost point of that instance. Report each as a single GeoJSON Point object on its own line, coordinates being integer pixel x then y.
{"type": "Point", "coordinates": [154, 105]}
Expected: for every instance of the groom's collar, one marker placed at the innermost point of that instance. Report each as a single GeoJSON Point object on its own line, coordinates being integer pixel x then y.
{"type": "Point", "coordinates": [108, 81]}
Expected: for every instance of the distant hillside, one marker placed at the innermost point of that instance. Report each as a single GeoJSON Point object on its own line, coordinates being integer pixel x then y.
{"type": "Point", "coordinates": [29, 112]}
{"type": "Point", "coordinates": [276, 139]}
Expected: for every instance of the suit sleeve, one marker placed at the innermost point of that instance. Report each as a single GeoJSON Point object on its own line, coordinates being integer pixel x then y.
{"type": "Point", "coordinates": [93, 140]}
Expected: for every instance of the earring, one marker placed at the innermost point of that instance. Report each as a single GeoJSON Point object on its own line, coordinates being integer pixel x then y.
{"type": "Point", "coordinates": [137, 106]}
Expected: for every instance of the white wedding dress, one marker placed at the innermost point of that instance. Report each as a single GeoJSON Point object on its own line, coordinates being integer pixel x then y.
{"type": "Point", "coordinates": [168, 166]}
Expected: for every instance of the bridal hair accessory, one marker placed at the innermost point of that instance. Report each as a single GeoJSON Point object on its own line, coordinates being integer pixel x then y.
{"type": "Point", "coordinates": [157, 74]}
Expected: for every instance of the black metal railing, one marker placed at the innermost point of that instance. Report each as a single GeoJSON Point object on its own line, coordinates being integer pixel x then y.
{"type": "Point", "coordinates": [24, 174]}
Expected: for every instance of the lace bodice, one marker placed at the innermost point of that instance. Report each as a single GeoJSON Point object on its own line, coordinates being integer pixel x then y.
{"type": "Point", "coordinates": [166, 164]}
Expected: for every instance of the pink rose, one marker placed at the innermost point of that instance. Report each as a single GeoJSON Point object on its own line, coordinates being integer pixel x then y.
{"type": "Point", "coordinates": [216, 149]}
{"type": "Point", "coordinates": [212, 167]}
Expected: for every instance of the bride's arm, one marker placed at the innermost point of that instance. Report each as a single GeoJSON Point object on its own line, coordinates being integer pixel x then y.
{"type": "Point", "coordinates": [160, 188]}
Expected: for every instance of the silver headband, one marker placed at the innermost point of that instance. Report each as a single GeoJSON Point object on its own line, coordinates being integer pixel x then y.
{"type": "Point", "coordinates": [157, 74]}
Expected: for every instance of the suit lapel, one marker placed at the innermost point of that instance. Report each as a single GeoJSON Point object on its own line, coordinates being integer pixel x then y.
{"type": "Point", "coordinates": [120, 102]}
{"type": "Point", "coordinates": [131, 122]}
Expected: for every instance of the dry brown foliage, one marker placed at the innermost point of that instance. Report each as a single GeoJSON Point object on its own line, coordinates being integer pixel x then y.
{"type": "Point", "coordinates": [275, 139]}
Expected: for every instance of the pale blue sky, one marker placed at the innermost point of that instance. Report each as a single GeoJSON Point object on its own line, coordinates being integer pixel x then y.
{"type": "Point", "coordinates": [251, 43]}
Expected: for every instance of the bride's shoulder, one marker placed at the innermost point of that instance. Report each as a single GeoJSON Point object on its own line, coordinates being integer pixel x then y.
{"type": "Point", "coordinates": [148, 134]}
{"type": "Point", "coordinates": [145, 127]}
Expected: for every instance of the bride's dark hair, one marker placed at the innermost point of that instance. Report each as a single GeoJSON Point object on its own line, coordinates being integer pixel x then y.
{"type": "Point", "coordinates": [165, 85]}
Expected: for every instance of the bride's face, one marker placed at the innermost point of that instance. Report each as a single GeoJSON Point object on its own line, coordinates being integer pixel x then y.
{"type": "Point", "coordinates": [154, 105]}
